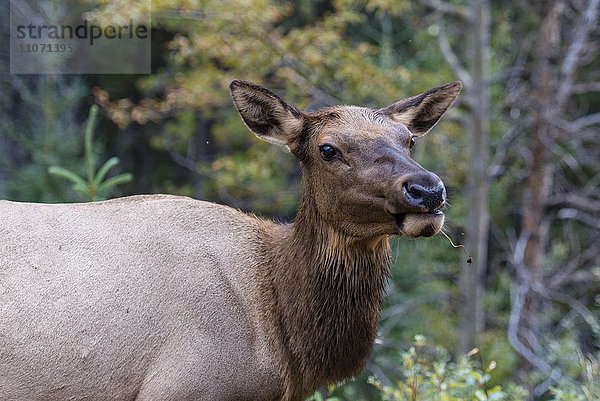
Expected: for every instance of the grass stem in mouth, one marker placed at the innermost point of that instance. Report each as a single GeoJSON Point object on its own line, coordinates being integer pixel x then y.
{"type": "Point", "coordinates": [450, 240]}
{"type": "Point", "coordinates": [469, 257]}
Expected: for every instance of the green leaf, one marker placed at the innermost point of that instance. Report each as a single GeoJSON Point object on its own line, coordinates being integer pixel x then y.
{"type": "Point", "coordinates": [83, 189]}
{"type": "Point", "coordinates": [101, 174]}
{"type": "Point", "coordinates": [67, 174]}
{"type": "Point", "coordinates": [111, 182]}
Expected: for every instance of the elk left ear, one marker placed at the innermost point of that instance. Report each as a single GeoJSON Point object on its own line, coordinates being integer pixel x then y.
{"type": "Point", "coordinates": [267, 115]}
{"type": "Point", "coordinates": [420, 113]}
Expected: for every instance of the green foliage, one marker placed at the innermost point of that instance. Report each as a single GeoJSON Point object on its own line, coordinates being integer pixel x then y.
{"type": "Point", "coordinates": [430, 374]}
{"type": "Point", "coordinates": [318, 396]}
{"type": "Point", "coordinates": [40, 131]}
{"type": "Point", "coordinates": [495, 347]}
{"type": "Point", "coordinates": [96, 186]}
{"type": "Point", "coordinates": [434, 376]}
{"type": "Point", "coordinates": [581, 381]}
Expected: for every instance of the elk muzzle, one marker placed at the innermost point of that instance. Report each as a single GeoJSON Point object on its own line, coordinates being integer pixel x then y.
{"type": "Point", "coordinates": [416, 202]}
{"type": "Point", "coordinates": [426, 192]}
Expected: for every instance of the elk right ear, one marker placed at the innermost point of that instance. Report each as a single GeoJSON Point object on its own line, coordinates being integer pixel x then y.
{"type": "Point", "coordinates": [420, 113]}
{"type": "Point", "coordinates": [267, 115]}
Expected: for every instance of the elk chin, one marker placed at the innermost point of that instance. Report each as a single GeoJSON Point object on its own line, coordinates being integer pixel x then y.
{"type": "Point", "coordinates": [420, 224]}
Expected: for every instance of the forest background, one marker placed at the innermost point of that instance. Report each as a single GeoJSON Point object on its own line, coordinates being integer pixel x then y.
{"type": "Point", "coordinates": [518, 309]}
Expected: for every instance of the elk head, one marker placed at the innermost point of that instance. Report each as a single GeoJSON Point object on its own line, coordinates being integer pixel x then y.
{"type": "Point", "coordinates": [357, 168]}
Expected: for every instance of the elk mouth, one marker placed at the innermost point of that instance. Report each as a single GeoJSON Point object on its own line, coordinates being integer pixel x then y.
{"type": "Point", "coordinates": [420, 224]}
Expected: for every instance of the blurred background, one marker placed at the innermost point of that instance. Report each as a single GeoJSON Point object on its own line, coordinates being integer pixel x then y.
{"type": "Point", "coordinates": [513, 315]}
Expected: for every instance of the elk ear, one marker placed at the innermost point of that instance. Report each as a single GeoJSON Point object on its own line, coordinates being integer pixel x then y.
{"type": "Point", "coordinates": [420, 113]}
{"type": "Point", "coordinates": [267, 115]}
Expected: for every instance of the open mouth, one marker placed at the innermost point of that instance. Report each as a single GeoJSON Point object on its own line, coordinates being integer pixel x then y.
{"type": "Point", "coordinates": [423, 224]}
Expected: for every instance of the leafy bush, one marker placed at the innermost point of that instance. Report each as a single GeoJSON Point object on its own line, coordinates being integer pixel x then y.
{"type": "Point", "coordinates": [429, 374]}
{"type": "Point", "coordinates": [434, 376]}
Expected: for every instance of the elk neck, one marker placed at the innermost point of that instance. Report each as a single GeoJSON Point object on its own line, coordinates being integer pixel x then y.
{"type": "Point", "coordinates": [325, 290]}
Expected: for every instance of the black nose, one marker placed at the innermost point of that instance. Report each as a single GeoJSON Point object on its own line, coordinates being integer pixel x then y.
{"type": "Point", "coordinates": [426, 192]}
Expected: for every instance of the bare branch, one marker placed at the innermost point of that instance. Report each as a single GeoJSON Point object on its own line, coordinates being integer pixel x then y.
{"type": "Point", "coordinates": [496, 166]}
{"type": "Point", "coordinates": [184, 161]}
{"type": "Point", "coordinates": [582, 29]}
{"type": "Point", "coordinates": [518, 255]}
{"type": "Point", "coordinates": [586, 121]}
{"type": "Point", "coordinates": [580, 277]}
{"type": "Point", "coordinates": [576, 201]}
{"type": "Point", "coordinates": [573, 303]}
{"type": "Point", "coordinates": [517, 304]}
{"type": "Point", "coordinates": [516, 72]}
{"type": "Point", "coordinates": [586, 87]}
{"type": "Point", "coordinates": [452, 59]}
{"type": "Point", "coordinates": [298, 72]}
{"type": "Point", "coordinates": [321, 96]}
{"type": "Point", "coordinates": [378, 372]}
{"type": "Point", "coordinates": [447, 8]}
{"type": "Point", "coordinates": [585, 218]}
{"type": "Point", "coordinates": [566, 273]}
{"type": "Point", "coordinates": [402, 308]}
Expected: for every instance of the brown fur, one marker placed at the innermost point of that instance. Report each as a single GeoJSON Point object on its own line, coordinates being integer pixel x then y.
{"type": "Point", "coordinates": [323, 298]}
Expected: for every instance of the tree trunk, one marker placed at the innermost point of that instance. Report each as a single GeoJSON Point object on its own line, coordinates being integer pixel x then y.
{"type": "Point", "coordinates": [477, 191]}
{"type": "Point", "coordinates": [539, 181]}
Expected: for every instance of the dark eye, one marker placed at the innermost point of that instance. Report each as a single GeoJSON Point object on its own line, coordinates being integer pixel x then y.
{"type": "Point", "coordinates": [412, 143]}
{"type": "Point", "coordinates": [328, 152]}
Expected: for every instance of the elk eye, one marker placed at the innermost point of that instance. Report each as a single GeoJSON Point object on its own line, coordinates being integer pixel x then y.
{"type": "Point", "coordinates": [412, 143]}
{"type": "Point", "coordinates": [328, 152]}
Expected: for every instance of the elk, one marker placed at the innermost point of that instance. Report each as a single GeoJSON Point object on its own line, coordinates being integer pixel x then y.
{"type": "Point", "coordinates": [159, 297]}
